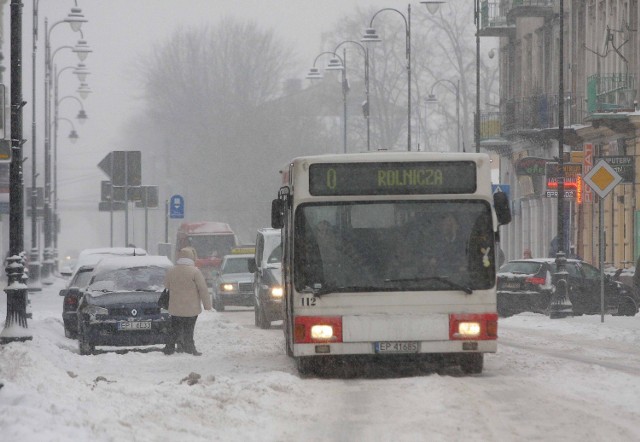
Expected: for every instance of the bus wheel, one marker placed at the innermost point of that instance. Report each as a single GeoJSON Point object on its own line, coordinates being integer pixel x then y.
{"type": "Point", "coordinates": [306, 365]}
{"type": "Point", "coordinates": [472, 363]}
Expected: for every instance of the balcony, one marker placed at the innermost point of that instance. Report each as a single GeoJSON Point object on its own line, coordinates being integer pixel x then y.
{"type": "Point", "coordinates": [611, 93]}
{"type": "Point", "coordinates": [541, 112]}
{"type": "Point", "coordinates": [530, 8]}
{"type": "Point", "coordinates": [493, 19]}
{"type": "Point", "coordinates": [533, 117]}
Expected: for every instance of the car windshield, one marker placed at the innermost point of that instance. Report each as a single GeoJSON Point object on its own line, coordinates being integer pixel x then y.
{"type": "Point", "coordinates": [418, 245]}
{"type": "Point", "coordinates": [527, 268]}
{"type": "Point", "coordinates": [148, 278]}
{"type": "Point", "coordinates": [236, 265]}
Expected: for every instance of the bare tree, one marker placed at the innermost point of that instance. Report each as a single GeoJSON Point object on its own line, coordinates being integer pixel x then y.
{"type": "Point", "coordinates": [219, 127]}
{"type": "Point", "coordinates": [442, 48]}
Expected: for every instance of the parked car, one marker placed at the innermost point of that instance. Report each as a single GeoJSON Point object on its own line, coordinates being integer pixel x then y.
{"type": "Point", "coordinates": [233, 283]}
{"type": "Point", "coordinates": [119, 307]}
{"type": "Point", "coordinates": [71, 297]}
{"type": "Point", "coordinates": [526, 285]}
{"type": "Point", "coordinates": [267, 277]}
{"type": "Point", "coordinates": [94, 256]}
{"type": "Point", "coordinates": [79, 279]}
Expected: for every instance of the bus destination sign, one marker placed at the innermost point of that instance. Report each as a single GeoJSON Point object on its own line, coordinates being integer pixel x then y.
{"type": "Point", "coordinates": [392, 178]}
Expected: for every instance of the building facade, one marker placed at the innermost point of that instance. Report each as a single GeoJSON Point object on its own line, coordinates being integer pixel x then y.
{"type": "Point", "coordinates": [600, 114]}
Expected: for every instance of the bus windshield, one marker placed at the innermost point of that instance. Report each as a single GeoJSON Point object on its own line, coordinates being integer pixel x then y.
{"type": "Point", "coordinates": [368, 246]}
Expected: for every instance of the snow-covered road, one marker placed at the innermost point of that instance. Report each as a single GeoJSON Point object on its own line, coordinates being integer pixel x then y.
{"type": "Point", "coordinates": [570, 379]}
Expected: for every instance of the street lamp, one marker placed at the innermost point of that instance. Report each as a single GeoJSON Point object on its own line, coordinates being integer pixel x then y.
{"type": "Point", "coordinates": [73, 137]}
{"type": "Point", "coordinates": [335, 64]}
{"type": "Point", "coordinates": [432, 99]}
{"type": "Point", "coordinates": [371, 36]}
{"type": "Point", "coordinates": [476, 120]}
{"type": "Point", "coordinates": [366, 107]}
{"type": "Point", "coordinates": [84, 90]}
{"type": "Point", "coordinates": [75, 20]}
{"type": "Point", "coordinates": [81, 72]}
{"type": "Point", "coordinates": [561, 305]}
{"type": "Point", "coordinates": [82, 50]}
{"type": "Point", "coordinates": [15, 326]}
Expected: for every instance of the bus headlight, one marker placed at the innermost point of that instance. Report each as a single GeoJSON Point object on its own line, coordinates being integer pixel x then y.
{"type": "Point", "coordinates": [277, 292]}
{"type": "Point", "coordinates": [317, 329]}
{"type": "Point", "coordinates": [321, 332]}
{"type": "Point", "coordinates": [468, 329]}
{"type": "Point", "coordinates": [473, 326]}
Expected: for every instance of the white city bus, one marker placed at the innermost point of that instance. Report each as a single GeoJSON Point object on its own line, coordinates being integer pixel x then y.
{"type": "Point", "coordinates": [390, 255]}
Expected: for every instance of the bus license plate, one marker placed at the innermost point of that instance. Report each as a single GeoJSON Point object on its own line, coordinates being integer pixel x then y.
{"type": "Point", "coordinates": [131, 325]}
{"type": "Point", "coordinates": [397, 347]}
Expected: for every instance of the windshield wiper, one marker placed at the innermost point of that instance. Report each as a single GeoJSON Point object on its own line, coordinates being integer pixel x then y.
{"type": "Point", "coordinates": [444, 279]}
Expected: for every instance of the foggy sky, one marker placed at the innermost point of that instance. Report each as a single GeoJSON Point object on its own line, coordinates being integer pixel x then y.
{"type": "Point", "coordinates": [119, 32]}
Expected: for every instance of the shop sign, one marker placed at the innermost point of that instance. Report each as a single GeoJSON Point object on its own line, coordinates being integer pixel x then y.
{"type": "Point", "coordinates": [623, 164]}
{"type": "Point", "coordinates": [531, 166]}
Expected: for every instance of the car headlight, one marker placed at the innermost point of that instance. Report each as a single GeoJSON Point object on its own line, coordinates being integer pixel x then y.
{"type": "Point", "coordinates": [276, 291]}
{"type": "Point", "coordinates": [229, 287]}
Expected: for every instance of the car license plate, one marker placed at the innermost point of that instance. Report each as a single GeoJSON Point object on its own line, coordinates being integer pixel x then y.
{"type": "Point", "coordinates": [511, 285]}
{"type": "Point", "coordinates": [134, 325]}
{"type": "Point", "coordinates": [397, 347]}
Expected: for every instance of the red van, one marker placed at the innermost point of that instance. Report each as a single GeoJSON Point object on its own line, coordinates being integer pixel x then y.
{"type": "Point", "coordinates": [212, 241]}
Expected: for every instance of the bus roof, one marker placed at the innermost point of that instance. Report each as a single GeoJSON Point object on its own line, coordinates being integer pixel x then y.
{"type": "Point", "coordinates": [391, 155]}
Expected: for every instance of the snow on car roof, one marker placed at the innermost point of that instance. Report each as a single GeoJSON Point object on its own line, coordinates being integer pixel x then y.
{"type": "Point", "coordinates": [118, 262]}
{"type": "Point", "coordinates": [114, 251]}
{"type": "Point", "coordinates": [93, 256]}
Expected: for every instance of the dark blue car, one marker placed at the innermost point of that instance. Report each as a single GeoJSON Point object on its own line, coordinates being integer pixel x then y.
{"type": "Point", "coordinates": [120, 305]}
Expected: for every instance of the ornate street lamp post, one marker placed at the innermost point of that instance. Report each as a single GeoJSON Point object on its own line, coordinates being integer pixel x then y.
{"type": "Point", "coordinates": [561, 305]}
{"type": "Point", "coordinates": [335, 64]}
{"type": "Point", "coordinates": [75, 20]}
{"type": "Point", "coordinates": [366, 106]}
{"type": "Point", "coordinates": [432, 99]}
{"type": "Point", "coordinates": [15, 326]}
{"type": "Point", "coordinates": [371, 36]}
{"type": "Point", "coordinates": [82, 50]}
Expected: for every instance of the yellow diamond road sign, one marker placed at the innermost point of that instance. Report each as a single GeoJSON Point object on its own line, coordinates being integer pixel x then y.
{"type": "Point", "coordinates": [602, 178]}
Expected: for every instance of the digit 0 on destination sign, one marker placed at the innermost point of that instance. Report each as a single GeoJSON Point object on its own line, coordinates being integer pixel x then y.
{"type": "Point", "coordinates": [448, 177]}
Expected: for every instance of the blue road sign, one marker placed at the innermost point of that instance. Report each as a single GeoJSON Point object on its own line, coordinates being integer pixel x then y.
{"type": "Point", "coordinates": [506, 188]}
{"type": "Point", "coordinates": [176, 207]}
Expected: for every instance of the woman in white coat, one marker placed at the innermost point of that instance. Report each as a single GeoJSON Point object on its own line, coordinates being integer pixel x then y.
{"type": "Point", "coordinates": [188, 292]}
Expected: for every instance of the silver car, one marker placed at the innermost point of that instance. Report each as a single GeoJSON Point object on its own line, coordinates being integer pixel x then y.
{"type": "Point", "coordinates": [233, 283]}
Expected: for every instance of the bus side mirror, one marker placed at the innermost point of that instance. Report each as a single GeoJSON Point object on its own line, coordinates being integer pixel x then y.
{"type": "Point", "coordinates": [501, 204]}
{"type": "Point", "coordinates": [277, 213]}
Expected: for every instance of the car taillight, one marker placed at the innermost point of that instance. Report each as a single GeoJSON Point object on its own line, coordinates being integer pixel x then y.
{"type": "Point", "coordinates": [71, 301]}
{"type": "Point", "coordinates": [317, 329]}
{"type": "Point", "coordinates": [535, 280]}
